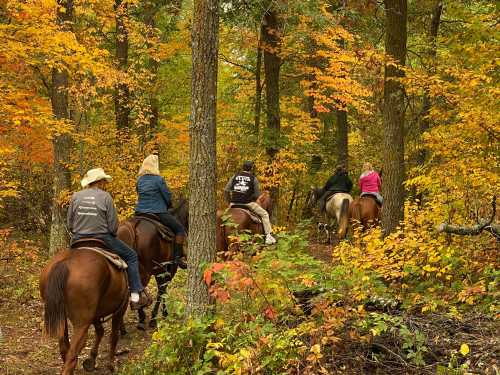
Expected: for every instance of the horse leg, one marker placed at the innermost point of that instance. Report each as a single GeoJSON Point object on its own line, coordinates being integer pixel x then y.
{"type": "Point", "coordinates": [89, 363]}
{"type": "Point", "coordinates": [116, 322]}
{"type": "Point", "coordinates": [77, 343]}
{"type": "Point", "coordinates": [64, 343]}
{"type": "Point", "coordinates": [142, 318]}
{"type": "Point", "coordinates": [161, 284]}
{"type": "Point", "coordinates": [123, 330]}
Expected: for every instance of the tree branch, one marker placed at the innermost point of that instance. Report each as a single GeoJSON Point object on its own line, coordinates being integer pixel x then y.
{"type": "Point", "coordinates": [474, 230]}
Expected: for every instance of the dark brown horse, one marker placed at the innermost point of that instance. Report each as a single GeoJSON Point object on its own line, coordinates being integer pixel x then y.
{"type": "Point", "coordinates": [155, 256]}
{"type": "Point", "coordinates": [81, 286]}
{"type": "Point", "coordinates": [242, 221]}
{"type": "Point", "coordinates": [364, 211]}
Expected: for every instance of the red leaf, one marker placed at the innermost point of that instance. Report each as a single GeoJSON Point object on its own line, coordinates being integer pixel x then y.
{"type": "Point", "coordinates": [270, 314]}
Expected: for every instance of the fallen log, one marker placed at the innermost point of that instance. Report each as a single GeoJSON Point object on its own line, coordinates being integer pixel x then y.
{"type": "Point", "coordinates": [474, 230]}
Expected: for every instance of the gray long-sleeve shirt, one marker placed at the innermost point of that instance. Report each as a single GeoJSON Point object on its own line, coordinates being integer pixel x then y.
{"type": "Point", "coordinates": [92, 211]}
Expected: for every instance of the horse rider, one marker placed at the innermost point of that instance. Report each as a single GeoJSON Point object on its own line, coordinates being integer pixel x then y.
{"type": "Point", "coordinates": [339, 182]}
{"type": "Point", "coordinates": [154, 197]}
{"type": "Point", "coordinates": [370, 183]}
{"type": "Point", "coordinates": [243, 190]}
{"type": "Point", "coordinates": [92, 214]}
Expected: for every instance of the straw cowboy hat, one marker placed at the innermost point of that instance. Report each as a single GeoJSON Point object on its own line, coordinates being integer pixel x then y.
{"type": "Point", "coordinates": [94, 175]}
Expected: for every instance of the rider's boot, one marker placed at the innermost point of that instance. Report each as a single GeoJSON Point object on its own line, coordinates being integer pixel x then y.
{"type": "Point", "coordinates": [178, 253]}
{"type": "Point", "coordinates": [270, 240]}
{"type": "Point", "coordinates": [144, 301]}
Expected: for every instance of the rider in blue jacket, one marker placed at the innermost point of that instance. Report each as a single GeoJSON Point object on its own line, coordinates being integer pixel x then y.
{"type": "Point", "coordinates": [154, 197]}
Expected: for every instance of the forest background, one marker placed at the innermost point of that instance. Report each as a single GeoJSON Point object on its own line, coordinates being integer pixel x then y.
{"type": "Point", "coordinates": [301, 87]}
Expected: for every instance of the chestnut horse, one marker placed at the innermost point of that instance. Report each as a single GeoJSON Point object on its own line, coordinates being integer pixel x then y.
{"type": "Point", "coordinates": [364, 211]}
{"type": "Point", "coordinates": [83, 287]}
{"type": "Point", "coordinates": [243, 221]}
{"type": "Point", "coordinates": [155, 256]}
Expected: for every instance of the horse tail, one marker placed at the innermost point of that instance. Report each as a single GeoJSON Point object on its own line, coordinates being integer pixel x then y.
{"type": "Point", "coordinates": [55, 309]}
{"type": "Point", "coordinates": [356, 213]}
{"type": "Point", "coordinates": [344, 210]}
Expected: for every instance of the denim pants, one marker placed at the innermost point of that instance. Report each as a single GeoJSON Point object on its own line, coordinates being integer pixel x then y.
{"type": "Point", "coordinates": [121, 249]}
{"type": "Point", "coordinates": [171, 221]}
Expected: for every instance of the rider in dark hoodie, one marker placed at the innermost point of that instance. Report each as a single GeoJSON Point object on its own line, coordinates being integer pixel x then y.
{"type": "Point", "coordinates": [338, 183]}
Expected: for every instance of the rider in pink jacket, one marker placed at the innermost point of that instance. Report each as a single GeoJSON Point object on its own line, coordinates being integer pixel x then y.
{"type": "Point", "coordinates": [370, 183]}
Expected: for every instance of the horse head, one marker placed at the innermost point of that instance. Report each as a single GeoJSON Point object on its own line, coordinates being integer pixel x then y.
{"type": "Point", "coordinates": [313, 196]}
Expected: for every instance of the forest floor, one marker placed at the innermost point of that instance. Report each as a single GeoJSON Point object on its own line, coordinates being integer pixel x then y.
{"type": "Point", "coordinates": [25, 350]}
{"type": "Point", "coordinates": [23, 347]}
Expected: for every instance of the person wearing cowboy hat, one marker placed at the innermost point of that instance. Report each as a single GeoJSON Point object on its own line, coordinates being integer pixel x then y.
{"type": "Point", "coordinates": [92, 214]}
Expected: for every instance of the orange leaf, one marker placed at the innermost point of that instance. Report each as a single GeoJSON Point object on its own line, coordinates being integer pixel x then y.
{"type": "Point", "coordinates": [207, 276]}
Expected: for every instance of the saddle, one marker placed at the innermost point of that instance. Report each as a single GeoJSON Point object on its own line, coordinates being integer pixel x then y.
{"type": "Point", "coordinates": [98, 246]}
{"type": "Point", "coordinates": [369, 195]}
{"type": "Point", "coordinates": [164, 231]}
{"type": "Point", "coordinates": [253, 216]}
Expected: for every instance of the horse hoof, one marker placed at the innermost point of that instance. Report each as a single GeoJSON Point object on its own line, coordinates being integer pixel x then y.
{"type": "Point", "coordinates": [141, 327]}
{"type": "Point", "coordinates": [89, 364]}
{"type": "Point", "coordinates": [152, 323]}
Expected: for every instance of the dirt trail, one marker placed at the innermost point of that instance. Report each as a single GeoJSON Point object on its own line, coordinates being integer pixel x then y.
{"type": "Point", "coordinates": [23, 347]}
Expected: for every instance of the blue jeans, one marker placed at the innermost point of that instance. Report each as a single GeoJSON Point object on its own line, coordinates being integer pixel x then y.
{"type": "Point", "coordinates": [171, 221]}
{"type": "Point", "coordinates": [125, 252]}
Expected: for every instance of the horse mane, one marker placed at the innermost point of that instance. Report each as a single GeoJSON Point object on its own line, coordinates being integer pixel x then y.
{"type": "Point", "coordinates": [181, 210]}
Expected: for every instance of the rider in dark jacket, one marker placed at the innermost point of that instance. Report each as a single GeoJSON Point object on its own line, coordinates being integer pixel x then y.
{"type": "Point", "coordinates": [338, 183]}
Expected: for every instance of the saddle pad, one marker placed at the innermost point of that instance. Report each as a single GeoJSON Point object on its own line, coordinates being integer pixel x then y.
{"type": "Point", "coordinates": [113, 258]}
{"type": "Point", "coordinates": [255, 218]}
{"type": "Point", "coordinates": [164, 231]}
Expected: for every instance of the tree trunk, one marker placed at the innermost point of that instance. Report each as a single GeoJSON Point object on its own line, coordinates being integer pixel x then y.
{"type": "Point", "coordinates": [394, 114]}
{"type": "Point", "coordinates": [202, 164]}
{"type": "Point", "coordinates": [258, 91]}
{"type": "Point", "coordinates": [272, 62]}
{"type": "Point", "coordinates": [122, 92]}
{"type": "Point", "coordinates": [426, 102]}
{"type": "Point", "coordinates": [342, 138]}
{"type": "Point", "coordinates": [342, 124]}
{"type": "Point", "coordinates": [62, 143]}
{"type": "Point", "coordinates": [151, 130]}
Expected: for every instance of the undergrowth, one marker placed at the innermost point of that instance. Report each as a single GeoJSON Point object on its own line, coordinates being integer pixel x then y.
{"type": "Point", "coordinates": [405, 304]}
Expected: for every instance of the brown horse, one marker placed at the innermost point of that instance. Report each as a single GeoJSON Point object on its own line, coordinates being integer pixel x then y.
{"type": "Point", "coordinates": [242, 221]}
{"type": "Point", "coordinates": [364, 211]}
{"type": "Point", "coordinates": [81, 286]}
{"type": "Point", "coordinates": [155, 256]}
